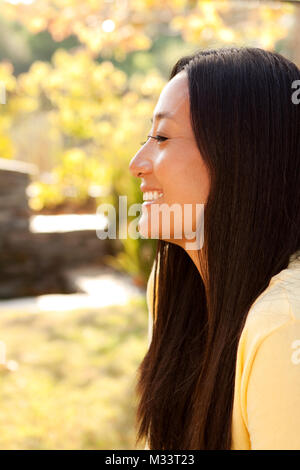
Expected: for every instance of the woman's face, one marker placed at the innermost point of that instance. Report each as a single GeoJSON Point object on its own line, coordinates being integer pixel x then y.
{"type": "Point", "coordinates": [173, 166]}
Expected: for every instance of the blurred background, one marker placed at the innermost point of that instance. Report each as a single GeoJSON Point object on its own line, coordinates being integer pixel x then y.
{"type": "Point", "coordinates": [78, 85]}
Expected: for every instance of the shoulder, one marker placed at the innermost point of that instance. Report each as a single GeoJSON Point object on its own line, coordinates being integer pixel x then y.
{"type": "Point", "coordinates": [268, 362]}
{"type": "Point", "coordinates": [275, 308]}
{"type": "Point", "coordinates": [274, 313]}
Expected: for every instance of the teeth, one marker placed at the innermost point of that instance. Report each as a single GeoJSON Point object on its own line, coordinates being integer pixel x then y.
{"type": "Point", "coordinates": [151, 195]}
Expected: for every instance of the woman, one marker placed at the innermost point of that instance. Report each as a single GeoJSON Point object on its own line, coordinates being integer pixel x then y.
{"type": "Point", "coordinates": [223, 366]}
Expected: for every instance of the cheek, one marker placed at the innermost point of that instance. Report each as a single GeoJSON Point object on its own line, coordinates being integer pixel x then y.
{"type": "Point", "coordinates": [198, 183]}
{"type": "Point", "coordinates": [185, 179]}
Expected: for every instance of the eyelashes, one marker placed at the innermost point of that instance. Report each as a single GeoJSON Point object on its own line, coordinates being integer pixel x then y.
{"type": "Point", "coordinates": [159, 138]}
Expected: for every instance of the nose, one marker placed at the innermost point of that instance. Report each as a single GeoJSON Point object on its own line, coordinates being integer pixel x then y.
{"type": "Point", "coordinates": [140, 164]}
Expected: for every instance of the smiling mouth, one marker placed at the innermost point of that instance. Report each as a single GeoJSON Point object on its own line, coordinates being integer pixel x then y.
{"type": "Point", "coordinates": [152, 195]}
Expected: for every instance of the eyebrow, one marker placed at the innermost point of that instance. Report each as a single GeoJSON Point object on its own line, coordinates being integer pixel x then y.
{"type": "Point", "coordinates": [161, 115]}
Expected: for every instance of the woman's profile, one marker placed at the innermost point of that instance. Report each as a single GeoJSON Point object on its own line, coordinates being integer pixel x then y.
{"type": "Point", "coordinates": [222, 370]}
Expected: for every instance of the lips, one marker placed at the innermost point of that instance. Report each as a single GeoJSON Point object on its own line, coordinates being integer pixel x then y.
{"type": "Point", "coordinates": [146, 189]}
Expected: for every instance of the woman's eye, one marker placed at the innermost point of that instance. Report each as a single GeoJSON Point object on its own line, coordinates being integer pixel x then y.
{"type": "Point", "coordinates": [159, 138]}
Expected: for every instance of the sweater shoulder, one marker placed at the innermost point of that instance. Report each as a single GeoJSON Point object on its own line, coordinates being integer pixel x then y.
{"type": "Point", "coordinates": [277, 305]}
{"type": "Point", "coordinates": [275, 311]}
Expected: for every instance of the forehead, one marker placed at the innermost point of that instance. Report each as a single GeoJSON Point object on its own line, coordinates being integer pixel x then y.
{"type": "Point", "coordinates": [174, 99]}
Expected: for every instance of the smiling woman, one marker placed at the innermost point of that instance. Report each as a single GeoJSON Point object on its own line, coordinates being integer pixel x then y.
{"type": "Point", "coordinates": [182, 181]}
{"type": "Point", "coordinates": [225, 318]}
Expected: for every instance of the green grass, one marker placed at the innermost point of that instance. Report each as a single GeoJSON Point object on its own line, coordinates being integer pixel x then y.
{"type": "Point", "coordinates": [74, 386]}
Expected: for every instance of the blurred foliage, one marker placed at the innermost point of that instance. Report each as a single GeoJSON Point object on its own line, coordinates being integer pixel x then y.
{"type": "Point", "coordinates": [78, 177]}
{"type": "Point", "coordinates": [7, 86]}
{"type": "Point", "coordinates": [117, 27]}
{"type": "Point", "coordinates": [136, 259]}
{"type": "Point", "coordinates": [69, 378]}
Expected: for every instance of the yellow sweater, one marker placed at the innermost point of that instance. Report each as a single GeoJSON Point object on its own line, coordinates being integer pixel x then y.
{"type": "Point", "coordinates": [266, 407]}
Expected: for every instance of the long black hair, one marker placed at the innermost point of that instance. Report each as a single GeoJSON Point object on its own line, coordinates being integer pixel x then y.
{"type": "Point", "coordinates": [247, 129]}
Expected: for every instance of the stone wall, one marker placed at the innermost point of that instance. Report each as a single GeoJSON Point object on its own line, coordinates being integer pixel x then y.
{"type": "Point", "coordinates": [14, 210]}
{"type": "Point", "coordinates": [34, 263]}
